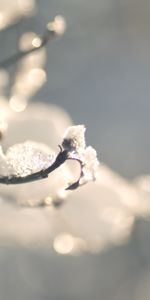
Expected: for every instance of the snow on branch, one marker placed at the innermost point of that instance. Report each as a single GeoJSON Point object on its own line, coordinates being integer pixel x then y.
{"type": "Point", "coordinates": [29, 161]}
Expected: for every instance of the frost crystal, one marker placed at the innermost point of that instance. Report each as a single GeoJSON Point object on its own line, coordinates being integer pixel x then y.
{"type": "Point", "coordinates": [30, 158]}
{"type": "Point", "coordinates": [74, 142]}
{"type": "Point", "coordinates": [27, 158]}
{"type": "Point", "coordinates": [74, 138]}
{"type": "Point", "coordinates": [90, 166]}
{"type": "Point", "coordinates": [5, 169]}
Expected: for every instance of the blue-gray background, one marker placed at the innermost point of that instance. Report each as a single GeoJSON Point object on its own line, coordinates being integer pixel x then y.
{"type": "Point", "coordinates": [99, 72]}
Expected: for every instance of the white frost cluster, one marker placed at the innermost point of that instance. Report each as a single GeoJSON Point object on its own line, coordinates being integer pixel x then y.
{"type": "Point", "coordinates": [74, 138]}
{"type": "Point", "coordinates": [25, 159]}
{"type": "Point", "coordinates": [30, 157]}
{"type": "Point", "coordinates": [74, 142]}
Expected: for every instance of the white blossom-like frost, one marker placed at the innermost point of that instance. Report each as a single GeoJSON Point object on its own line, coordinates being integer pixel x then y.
{"type": "Point", "coordinates": [74, 142]}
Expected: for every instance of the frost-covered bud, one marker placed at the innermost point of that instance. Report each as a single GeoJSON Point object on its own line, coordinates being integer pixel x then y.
{"type": "Point", "coordinates": [74, 138]}
{"type": "Point", "coordinates": [58, 26]}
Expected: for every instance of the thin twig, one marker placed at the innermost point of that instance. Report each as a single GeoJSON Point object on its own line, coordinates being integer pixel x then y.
{"type": "Point", "coordinates": [55, 28]}
{"type": "Point", "coordinates": [76, 184]}
{"type": "Point", "coordinates": [48, 36]}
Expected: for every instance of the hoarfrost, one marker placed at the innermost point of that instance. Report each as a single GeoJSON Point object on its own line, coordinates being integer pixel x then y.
{"type": "Point", "coordinates": [25, 159]}
{"type": "Point", "coordinates": [74, 138]}
{"type": "Point", "coordinates": [74, 142]}
{"type": "Point", "coordinates": [29, 158]}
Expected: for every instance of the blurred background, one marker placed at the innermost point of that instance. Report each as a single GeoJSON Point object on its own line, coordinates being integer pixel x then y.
{"type": "Point", "coordinates": [99, 73]}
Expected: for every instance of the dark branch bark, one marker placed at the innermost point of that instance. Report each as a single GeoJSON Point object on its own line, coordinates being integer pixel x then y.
{"type": "Point", "coordinates": [12, 179]}
{"type": "Point", "coordinates": [42, 174]}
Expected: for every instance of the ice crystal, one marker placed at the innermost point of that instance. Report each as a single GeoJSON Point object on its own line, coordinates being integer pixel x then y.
{"type": "Point", "coordinates": [27, 158]}
{"type": "Point", "coordinates": [74, 142]}
{"type": "Point", "coordinates": [74, 139]}
{"type": "Point", "coordinates": [37, 160]}
{"type": "Point", "coordinates": [90, 166]}
{"type": "Point", "coordinates": [5, 169]}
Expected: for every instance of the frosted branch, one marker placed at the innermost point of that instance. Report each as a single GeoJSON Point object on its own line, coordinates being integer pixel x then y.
{"type": "Point", "coordinates": [25, 163]}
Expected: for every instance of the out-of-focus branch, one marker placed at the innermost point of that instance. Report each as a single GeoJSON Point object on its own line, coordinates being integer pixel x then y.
{"type": "Point", "coordinates": [55, 28]}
